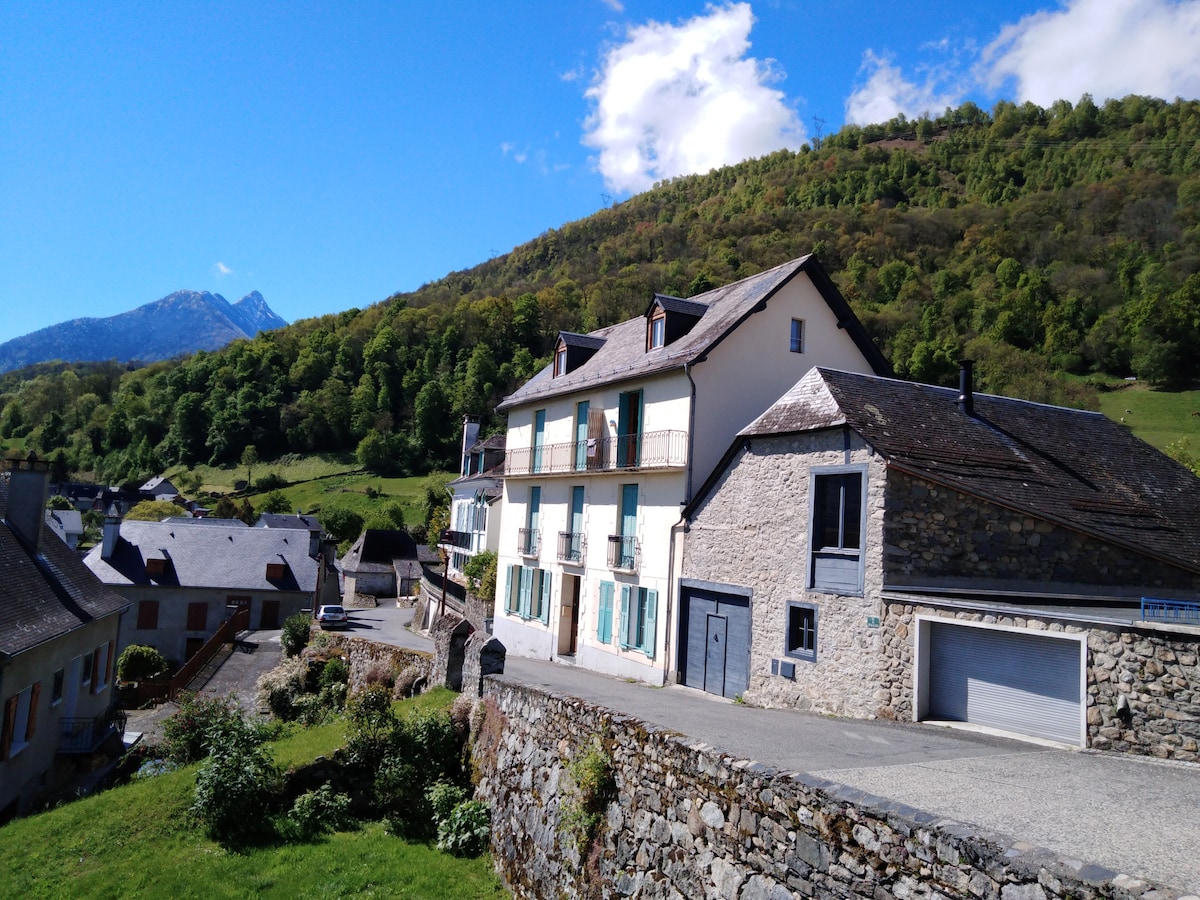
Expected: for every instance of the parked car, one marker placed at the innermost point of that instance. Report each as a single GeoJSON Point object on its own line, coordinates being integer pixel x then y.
{"type": "Point", "coordinates": [332, 617]}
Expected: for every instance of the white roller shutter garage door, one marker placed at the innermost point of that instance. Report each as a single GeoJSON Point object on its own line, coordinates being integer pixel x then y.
{"type": "Point", "coordinates": [1018, 681]}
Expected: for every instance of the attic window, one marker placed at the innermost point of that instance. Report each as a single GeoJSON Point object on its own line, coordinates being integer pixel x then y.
{"type": "Point", "coordinates": [658, 329]}
{"type": "Point", "coordinates": [560, 359]}
{"type": "Point", "coordinates": [275, 570]}
{"type": "Point", "coordinates": [155, 566]}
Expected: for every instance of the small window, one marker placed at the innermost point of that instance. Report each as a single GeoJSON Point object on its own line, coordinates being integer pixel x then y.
{"type": "Point", "coordinates": [836, 559]}
{"type": "Point", "coordinates": [147, 618]}
{"type": "Point", "coordinates": [85, 671]}
{"type": "Point", "coordinates": [797, 335]}
{"type": "Point", "coordinates": [658, 330]}
{"type": "Point", "coordinates": [801, 638]}
{"type": "Point", "coordinates": [560, 360]}
{"type": "Point", "coordinates": [20, 713]}
{"type": "Point", "coordinates": [56, 690]}
{"type": "Point", "coordinates": [197, 616]}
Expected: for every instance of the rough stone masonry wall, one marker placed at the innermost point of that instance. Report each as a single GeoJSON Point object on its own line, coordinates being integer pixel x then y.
{"type": "Point", "coordinates": [1155, 668]}
{"type": "Point", "coordinates": [362, 655]}
{"type": "Point", "coordinates": [935, 531]}
{"type": "Point", "coordinates": [690, 822]}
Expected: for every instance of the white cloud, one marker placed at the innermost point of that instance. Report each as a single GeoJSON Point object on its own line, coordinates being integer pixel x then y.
{"type": "Point", "coordinates": [1107, 48]}
{"type": "Point", "coordinates": [221, 269]}
{"type": "Point", "coordinates": [678, 99]}
{"type": "Point", "coordinates": [615, 5]}
{"type": "Point", "coordinates": [887, 93]}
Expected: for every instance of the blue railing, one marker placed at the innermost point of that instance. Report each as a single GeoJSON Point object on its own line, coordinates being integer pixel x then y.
{"type": "Point", "coordinates": [1178, 612]}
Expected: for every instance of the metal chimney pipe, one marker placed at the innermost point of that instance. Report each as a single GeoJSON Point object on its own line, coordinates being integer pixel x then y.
{"type": "Point", "coordinates": [966, 386]}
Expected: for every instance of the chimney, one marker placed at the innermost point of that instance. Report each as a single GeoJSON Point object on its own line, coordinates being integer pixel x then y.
{"type": "Point", "coordinates": [112, 533]}
{"type": "Point", "coordinates": [470, 436]}
{"type": "Point", "coordinates": [28, 485]}
{"type": "Point", "coordinates": [966, 386]}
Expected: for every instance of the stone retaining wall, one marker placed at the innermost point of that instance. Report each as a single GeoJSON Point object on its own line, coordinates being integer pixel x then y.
{"type": "Point", "coordinates": [688, 821]}
{"type": "Point", "coordinates": [362, 654]}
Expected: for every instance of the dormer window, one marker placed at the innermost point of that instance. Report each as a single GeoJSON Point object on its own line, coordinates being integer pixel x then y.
{"type": "Point", "coordinates": [560, 360]}
{"type": "Point", "coordinates": [573, 350]}
{"type": "Point", "coordinates": [658, 329]}
{"type": "Point", "coordinates": [275, 570]}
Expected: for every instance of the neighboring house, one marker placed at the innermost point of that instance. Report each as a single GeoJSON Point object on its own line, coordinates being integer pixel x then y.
{"type": "Point", "coordinates": [382, 563]}
{"type": "Point", "coordinates": [871, 547]}
{"type": "Point", "coordinates": [67, 524]}
{"type": "Point", "coordinates": [58, 641]}
{"type": "Point", "coordinates": [96, 497]}
{"type": "Point", "coordinates": [474, 500]}
{"type": "Point", "coordinates": [306, 523]}
{"type": "Point", "coordinates": [605, 445]}
{"type": "Point", "coordinates": [159, 488]}
{"type": "Point", "coordinates": [183, 578]}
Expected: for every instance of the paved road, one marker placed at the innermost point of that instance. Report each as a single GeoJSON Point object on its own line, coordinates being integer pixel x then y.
{"type": "Point", "coordinates": [1132, 815]}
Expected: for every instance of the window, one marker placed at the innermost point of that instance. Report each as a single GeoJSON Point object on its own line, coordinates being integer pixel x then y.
{"type": "Point", "coordinates": [20, 717]}
{"type": "Point", "coordinates": [85, 671]}
{"type": "Point", "coordinates": [583, 447]}
{"type": "Point", "coordinates": [528, 536]}
{"type": "Point", "coordinates": [836, 537]}
{"type": "Point", "coordinates": [560, 360]}
{"type": "Point", "coordinates": [622, 546]}
{"type": "Point", "coordinates": [147, 615]}
{"type": "Point", "coordinates": [797, 335]}
{"type": "Point", "coordinates": [658, 329]}
{"type": "Point", "coordinates": [639, 608]}
{"type": "Point", "coordinates": [604, 614]}
{"type": "Point", "coordinates": [629, 429]}
{"type": "Point", "coordinates": [801, 637]}
{"type": "Point", "coordinates": [197, 616]}
{"type": "Point", "coordinates": [528, 593]}
{"type": "Point", "coordinates": [100, 668]}
{"type": "Point", "coordinates": [539, 438]}
{"type": "Point", "coordinates": [56, 692]}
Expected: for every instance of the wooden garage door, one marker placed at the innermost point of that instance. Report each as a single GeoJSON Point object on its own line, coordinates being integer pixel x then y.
{"type": "Point", "coordinates": [1022, 682]}
{"type": "Point", "coordinates": [715, 641]}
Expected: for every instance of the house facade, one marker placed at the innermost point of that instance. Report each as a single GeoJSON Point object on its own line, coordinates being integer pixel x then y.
{"type": "Point", "coordinates": [58, 643]}
{"type": "Point", "coordinates": [475, 500]}
{"type": "Point", "coordinates": [937, 555]}
{"type": "Point", "coordinates": [606, 444]}
{"type": "Point", "coordinates": [183, 578]}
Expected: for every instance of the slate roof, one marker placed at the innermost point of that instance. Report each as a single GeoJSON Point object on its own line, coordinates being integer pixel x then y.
{"type": "Point", "coordinates": [46, 597]}
{"type": "Point", "coordinates": [623, 355]}
{"type": "Point", "coordinates": [204, 520]}
{"type": "Point", "coordinates": [1077, 468]}
{"type": "Point", "coordinates": [284, 520]}
{"type": "Point", "coordinates": [222, 557]}
{"type": "Point", "coordinates": [377, 548]}
{"type": "Point", "coordinates": [679, 305]}
{"type": "Point", "coordinates": [65, 521]}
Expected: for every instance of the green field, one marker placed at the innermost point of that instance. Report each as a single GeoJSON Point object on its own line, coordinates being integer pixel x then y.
{"type": "Point", "coordinates": [138, 841]}
{"type": "Point", "coordinates": [1157, 417]}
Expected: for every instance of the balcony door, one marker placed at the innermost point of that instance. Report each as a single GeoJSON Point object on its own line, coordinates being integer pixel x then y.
{"type": "Point", "coordinates": [582, 409]}
{"type": "Point", "coordinates": [629, 429]}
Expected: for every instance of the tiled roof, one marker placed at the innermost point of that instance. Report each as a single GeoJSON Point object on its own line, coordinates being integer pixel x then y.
{"type": "Point", "coordinates": [45, 597]}
{"type": "Point", "coordinates": [679, 305]}
{"type": "Point", "coordinates": [1073, 467]}
{"type": "Point", "coordinates": [284, 520]}
{"type": "Point", "coordinates": [587, 341]}
{"type": "Point", "coordinates": [623, 355]}
{"type": "Point", "coordinates": [229, 557]}
{"type": "Point", "coordinates": [377, 548]}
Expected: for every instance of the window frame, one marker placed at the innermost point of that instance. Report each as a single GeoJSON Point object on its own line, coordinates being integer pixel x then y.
{"type": "Point", "coordinates": [639, 619]}
{"type": "Point", "coordinates": [808, 654]}
{"type": "Point", "coordinates": [796, 336]}
{"type": "Point", "coordinates": [560, 360]}
{"type": "Point", "coordinates": [656, 330]}
{"type": "Point", "coordinates": [147, 612]}
{"type": "Point", "coordinates": [818, 551]}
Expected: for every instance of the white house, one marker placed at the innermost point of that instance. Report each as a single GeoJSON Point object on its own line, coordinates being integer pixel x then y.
{"type": "Point", "coordinates": [474, 499]}
{"type": "Point", "coordinates": [605, 446]}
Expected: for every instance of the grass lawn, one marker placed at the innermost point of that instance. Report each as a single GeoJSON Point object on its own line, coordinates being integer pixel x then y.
{"type": "Point", "coordinates": [138, 841]}
{"type": "Point", "coordinates": [1157, 417]}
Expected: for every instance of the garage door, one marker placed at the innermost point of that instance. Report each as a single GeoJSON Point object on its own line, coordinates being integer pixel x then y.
{"type": "Point", "coordinates": [1021, 682]}
{"type": "Point", "coordinates": [715, 641]}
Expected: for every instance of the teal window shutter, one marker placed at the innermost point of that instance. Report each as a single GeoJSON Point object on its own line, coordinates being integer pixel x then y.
{"type": "Point", "coordinates": [604, 613]}
{"type": "Point", "coordinates": [510, 596]}
{"type": "Point", "coordinates": [625, 618]}
{"type": "Point", "coordinates": [547, 581]}
{"type": "Point", "coordinates": [525, 591]}
{"type": "Point", "coordinates": [649, 639]}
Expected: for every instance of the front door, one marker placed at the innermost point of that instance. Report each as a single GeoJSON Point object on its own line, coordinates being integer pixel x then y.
{"type": "Point", "coordinates": [269, 618]}
{"type": "Point", "coordinates": [568, 619]}
{"type": "Point", "coordinates": [717, 635]}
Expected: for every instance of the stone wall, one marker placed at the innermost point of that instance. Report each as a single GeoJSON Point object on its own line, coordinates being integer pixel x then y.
{"type": "Point", "coordinates": [687, 821]}
{"type": "Point", "coordinates": [1156, 668]}
{"type": "Point", "coordinates": [933, 531]}
{"type": "Point", "coordinates": [363, 654]}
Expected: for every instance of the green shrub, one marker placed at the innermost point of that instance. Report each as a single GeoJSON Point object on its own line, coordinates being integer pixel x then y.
{"type": "Point", "coordinates": [443, 797]}
{"type": "Point", "coordinates": [138, 662]}
{"type": "Point", "coordinates": [466, 830]}
{"type": "Point", "coordinates": [295, 634]}
{"type": "Point", "coordinates": [200, 725]}
{"type": "Point", "coordinates": [424, 749]}
{"type": "Point", "coordinates": [335, 671]}
{"type": "Point", "coordinates": [317, 812]}
{"type": "Point", "coordinates": [237, 789]}
{"type": "Point", "coordinates": [595, 786]}
{"type": "Point", "coordinates": [372, 723]}
{"type": "Point", "coordinates": [271, 482]}
{"type": "Point", "coordinates": [281, 689]}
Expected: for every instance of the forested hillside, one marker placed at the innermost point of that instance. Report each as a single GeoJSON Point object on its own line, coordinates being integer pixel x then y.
{"type": "Point", "coordinates": [1057, 247]}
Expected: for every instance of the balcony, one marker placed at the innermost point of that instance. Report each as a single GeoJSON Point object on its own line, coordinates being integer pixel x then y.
{"type": "Point", "coordinates": [570, 547]}
{"type": "Point", "coordinates": [622, 552]}
{"type": "Point", "coordinates": [84, 736]}
{"type": "Point", "coordinates": [459, 540]}
{"type": "Point", "coordinates": [623, 453]}
{"type": "Point", "coordinates": [527, 541]}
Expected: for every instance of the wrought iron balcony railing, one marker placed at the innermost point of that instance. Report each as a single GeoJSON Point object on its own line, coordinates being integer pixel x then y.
{"type": "Point", "coordinates": [646, 450]}
{"type": "Point", "coordinates": [460, 540]}
{"type": "Point", "coordinates": [527, 541]}
{"type": "Point", "coordinates": [86, 735]}
{"type": "Point", "coordinates": [570, 546]}
{"type": "Point", "coordinates": [622, 552]}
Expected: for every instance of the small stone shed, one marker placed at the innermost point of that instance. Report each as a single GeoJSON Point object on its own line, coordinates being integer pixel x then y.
{"type": "Point", "coordinates": [871, 547]}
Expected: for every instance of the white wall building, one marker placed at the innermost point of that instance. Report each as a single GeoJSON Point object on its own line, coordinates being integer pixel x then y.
{"type": "Point", "coordinates": [607, 443]}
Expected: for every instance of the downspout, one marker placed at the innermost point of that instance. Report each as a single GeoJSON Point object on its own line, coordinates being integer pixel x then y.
{"type": "Point", "coordinates": [687, 370]}
{"type": "Point", "coordinates": [672, 580]}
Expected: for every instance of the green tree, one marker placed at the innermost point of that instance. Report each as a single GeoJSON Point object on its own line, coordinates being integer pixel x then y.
{"type": "Point", "coordinates": [275, 502]}
{"type": "Point", "coordinates": [249, 460]}
{"type": "Point", "coordinates": [344, 524]}
{"type": "Point", "coordinates": [154, 511]}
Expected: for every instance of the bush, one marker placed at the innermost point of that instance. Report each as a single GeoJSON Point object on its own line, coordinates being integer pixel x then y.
{"type": "Point", "coordinates": [271, 482]}
{"type": "Point", "coordinates": [200, 726]}
{"type": "Point", "coordinates": [334, 672]}
{"type": "Point", "coordinates": [138, 662]}
{"type": "Point", "coordinates": [296, 632]}
{"type": "Point", "coordinates": [426, 748]}
{"type": "Point", "coordinates": [317, 812]}
{"type": "Point", "coordinates": [372, 723]}
{"type": "Point", "coordinates": [237, 788]}
{"type": "Point", "coordinates": [443, 797]}
{"type": "Point", "coordinates": [280, 689]}
{"type": "Point", "coordinates": [467, 829]}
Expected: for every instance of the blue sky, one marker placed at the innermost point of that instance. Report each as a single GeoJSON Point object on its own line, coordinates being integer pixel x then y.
{"type": "Point", "coordinates": [328, 155]}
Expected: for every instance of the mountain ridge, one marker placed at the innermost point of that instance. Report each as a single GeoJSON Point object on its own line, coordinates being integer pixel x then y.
{"type": "Point", "coordinates": [182, 322]}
